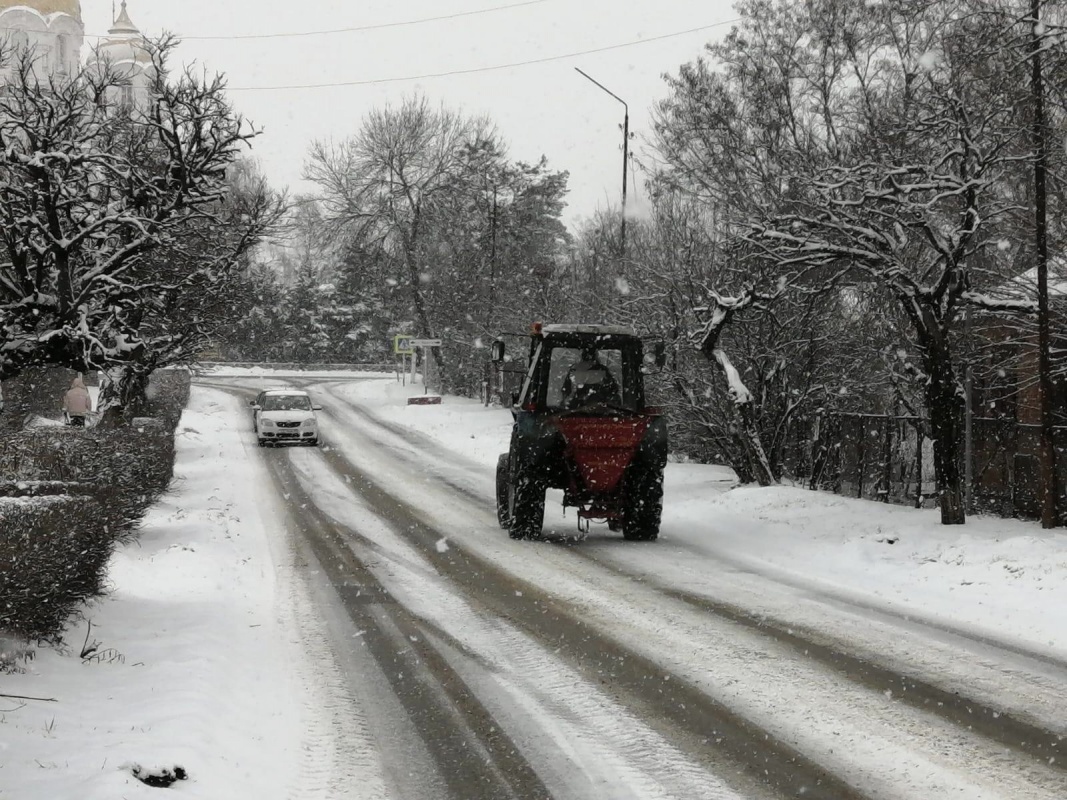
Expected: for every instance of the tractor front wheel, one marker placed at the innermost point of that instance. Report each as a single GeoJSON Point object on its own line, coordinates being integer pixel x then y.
{"type": "Point", "coordinates": [526, 505]}
{"type": "Point", "coordinates": [644, 507]}
{"type": "Point", "coordinates": [503, 512]}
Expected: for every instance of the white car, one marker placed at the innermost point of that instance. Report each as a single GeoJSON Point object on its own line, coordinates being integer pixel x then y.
{"type": "Point", "coordinates": [285, 415]}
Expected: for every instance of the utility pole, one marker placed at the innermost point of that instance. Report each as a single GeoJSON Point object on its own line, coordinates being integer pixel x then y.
{"type": "Point", "coordinates": [625, 154]}
{"type": "Point", "coordinates": [1049, 489]}
{"type": "Point", "coordinates": [968, 421]}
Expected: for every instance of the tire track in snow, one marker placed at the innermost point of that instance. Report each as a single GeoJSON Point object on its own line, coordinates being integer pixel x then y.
{"type": "Point", "coordinates": [953, 704]}
{"type": "Point", "coordinates": [1045, 746]}
{"type": "Point", "coordinates": [339, 752]}
{"type": "Point", "coordinates": [336, 752]}
{"type": "Point", "coordinates": [683, 713]}
{"type": "Point", "coordinates": [474, 758]}
{"type": "Point", "coordinates": [600, 737]}
{"type": "Point", "coordinates": [945, 786]}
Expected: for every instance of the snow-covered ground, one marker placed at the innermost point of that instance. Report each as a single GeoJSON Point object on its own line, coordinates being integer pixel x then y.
{"type": "Point", "coordinates": [198, 663]}
{"type": "Point", "coordinates": [1006, 578]}
{"type": "Point", "coordinates": [204, 659]}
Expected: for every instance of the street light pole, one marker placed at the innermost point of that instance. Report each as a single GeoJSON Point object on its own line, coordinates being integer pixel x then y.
{"type": "Point", "coordinates": [1047, 449]}
{"type": "Point", "coordinates": [625, 152]}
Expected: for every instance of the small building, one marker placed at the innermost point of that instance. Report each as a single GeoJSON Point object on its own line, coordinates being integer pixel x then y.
{"type": "Point", "coordinates": [1006, 399]}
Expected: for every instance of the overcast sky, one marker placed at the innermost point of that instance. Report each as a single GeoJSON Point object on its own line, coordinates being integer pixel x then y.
{"type": "Point", "coordinates": [544, 108]}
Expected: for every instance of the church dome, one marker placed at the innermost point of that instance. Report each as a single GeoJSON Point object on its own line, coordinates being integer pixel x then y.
{"type": "Point", "coordinates": [46, 7]}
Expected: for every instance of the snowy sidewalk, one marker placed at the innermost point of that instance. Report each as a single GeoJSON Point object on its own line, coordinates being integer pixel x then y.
{"type": "Point", "coordinates": [198, 663]}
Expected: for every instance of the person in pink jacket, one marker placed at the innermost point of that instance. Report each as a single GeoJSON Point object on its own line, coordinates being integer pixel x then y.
{"type": "Point", "coordinates": [76, 403]}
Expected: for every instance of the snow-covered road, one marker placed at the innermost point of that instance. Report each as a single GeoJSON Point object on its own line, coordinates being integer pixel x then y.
{"type": "Point", "coordinates": [417, 652]}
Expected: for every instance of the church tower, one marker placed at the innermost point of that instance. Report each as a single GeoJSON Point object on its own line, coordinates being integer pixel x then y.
{"type": "Point", "coordinates": [52, 28]}
{"type": "Point", "coordinates": [125, 50]}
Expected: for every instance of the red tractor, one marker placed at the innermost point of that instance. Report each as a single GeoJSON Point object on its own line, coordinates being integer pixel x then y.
{"type": "Point", "coordinates": [582, 425]}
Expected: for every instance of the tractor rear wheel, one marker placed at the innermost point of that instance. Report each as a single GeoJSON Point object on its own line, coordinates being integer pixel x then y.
{"type": "Point", "coordinates": [644, 507]}
{"type": "Point", "coordinates": [526, 497]}
{"type": "Point", "coordinates": [503, 512]}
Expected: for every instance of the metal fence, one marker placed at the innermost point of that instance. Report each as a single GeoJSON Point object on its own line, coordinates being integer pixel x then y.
{"type": "Point", "coordinates": [866, 455]}
{"type": "Point", "coordinates": [889, 458]}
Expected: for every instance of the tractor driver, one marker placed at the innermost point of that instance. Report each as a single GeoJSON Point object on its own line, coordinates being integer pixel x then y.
{"type": "Point", "coordinates": [589, 382]}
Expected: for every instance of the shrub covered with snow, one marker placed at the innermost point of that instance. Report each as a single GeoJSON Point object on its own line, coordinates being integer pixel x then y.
{"type": "Point", "coordinates": [53, 553]}
{"type": "Point", "coordinates": [67, 496]}
{"type": "Point", "coordinates": [168, 394]}
{"type": "Point", "coordinates": [136, 462]}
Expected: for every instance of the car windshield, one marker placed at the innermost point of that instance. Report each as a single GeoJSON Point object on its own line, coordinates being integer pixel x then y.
{"type": "Point", "coordinates": [286, 402]}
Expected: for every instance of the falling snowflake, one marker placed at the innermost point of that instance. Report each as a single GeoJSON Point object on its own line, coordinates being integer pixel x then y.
{"type": "Point", "coordinates": [442, 545]}
{"type": "Point", "coordinates": [929, 60]}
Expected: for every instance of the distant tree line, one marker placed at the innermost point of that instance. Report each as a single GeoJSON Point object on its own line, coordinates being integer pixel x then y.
{"type": "Point", "coordinates": [422, 225]}
{"type": "Point", "coordinates": [836, 188]}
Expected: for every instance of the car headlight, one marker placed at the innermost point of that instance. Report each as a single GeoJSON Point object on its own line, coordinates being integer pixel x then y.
{"type": "Point", "coordinates": [267, 423]}
{"type": "Point", "coordinates": [308, 423]}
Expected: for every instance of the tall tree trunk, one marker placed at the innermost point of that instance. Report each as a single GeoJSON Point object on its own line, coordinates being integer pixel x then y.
{"type": "Point", "coordinates": [945, 404]}
{"type": "Point", "coordinates": [418, 301]}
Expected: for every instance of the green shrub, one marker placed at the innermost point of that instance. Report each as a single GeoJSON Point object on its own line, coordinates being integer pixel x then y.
{"type": "Point", "coordinates": [138, 464]}
{"type": "Point", "coordinates": [71, 495]}
{"type": "Point", "coordinates": [168, 395]}
{"type": "Point", "coordinates": [53, 556]}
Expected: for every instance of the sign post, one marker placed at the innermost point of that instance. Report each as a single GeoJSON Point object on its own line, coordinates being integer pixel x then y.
{"type": "Point", "coordinates": [402, 347]}
{"type": "Point", "coordinates": [427, 345]}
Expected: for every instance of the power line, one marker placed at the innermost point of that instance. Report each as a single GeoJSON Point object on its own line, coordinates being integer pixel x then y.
{"type": "Point", "coordinates": [334, 31]}
{"type": "Point", "coordinates": [473, 70]}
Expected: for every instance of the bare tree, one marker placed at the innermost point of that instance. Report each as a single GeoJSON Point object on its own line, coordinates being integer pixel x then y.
{"type": "Point", "coordinates": [89, 191]}
{"type": "Point", "coordinates": [878, 145]}
{"type": "Point", "coordinates": [383, 183]}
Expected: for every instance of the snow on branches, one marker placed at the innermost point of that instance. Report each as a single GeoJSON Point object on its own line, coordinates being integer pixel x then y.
{"type": "Point", "coordinates": [90, 188]}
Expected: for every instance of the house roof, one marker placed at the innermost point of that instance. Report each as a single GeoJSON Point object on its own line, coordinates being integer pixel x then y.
{"type": "Point", "coordinates": [1024, 286]}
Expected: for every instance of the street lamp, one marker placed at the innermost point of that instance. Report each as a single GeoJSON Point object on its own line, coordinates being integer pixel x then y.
{"type": "Point", "coordinates": [625, 152]}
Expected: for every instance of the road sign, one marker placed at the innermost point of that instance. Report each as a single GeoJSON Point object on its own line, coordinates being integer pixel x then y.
{"type": "Point", "coordinates": [403, 345]}
{"type": "Point", "coordinates": [424, 342]}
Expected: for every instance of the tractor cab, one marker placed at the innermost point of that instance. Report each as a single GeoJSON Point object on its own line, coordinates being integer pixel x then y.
{"type": "Point", "coordinates": [591, 369]}
{"type": "Point", "coordinates": [582, 425]}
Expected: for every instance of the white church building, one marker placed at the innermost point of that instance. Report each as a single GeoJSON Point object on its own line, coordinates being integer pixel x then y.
{"type": "Point", "coordinates": [54, 32]}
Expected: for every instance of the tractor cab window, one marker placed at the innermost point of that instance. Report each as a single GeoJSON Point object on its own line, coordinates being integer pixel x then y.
{"type": "Point", "coordinates": [582, 377]}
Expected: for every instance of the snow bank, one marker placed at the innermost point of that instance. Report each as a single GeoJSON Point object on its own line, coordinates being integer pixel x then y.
{"type": "Point", "coordinates": [997, 575]}
{"type": "Point", "coordinates": [270, 372]}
